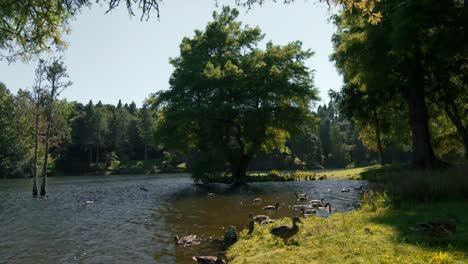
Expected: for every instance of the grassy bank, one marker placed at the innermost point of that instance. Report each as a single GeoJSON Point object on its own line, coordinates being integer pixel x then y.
{"type": "Point", "coordinates": [382, 236]}
{"type": "Point", "coordinates": [384, 230]}
{"type": "Point", "coordinates": [298, 175]}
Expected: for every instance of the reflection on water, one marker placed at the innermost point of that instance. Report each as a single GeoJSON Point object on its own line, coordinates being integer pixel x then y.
{"type": "Point", "coordinates": [127, 224]}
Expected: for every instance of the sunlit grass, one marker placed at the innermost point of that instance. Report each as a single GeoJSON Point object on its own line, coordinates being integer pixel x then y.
{"type": "Point", "coordinates": [363, 236]}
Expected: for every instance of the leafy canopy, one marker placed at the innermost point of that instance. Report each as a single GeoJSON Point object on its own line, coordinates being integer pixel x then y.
{"type": "Point", "coordinates": [230, 99]}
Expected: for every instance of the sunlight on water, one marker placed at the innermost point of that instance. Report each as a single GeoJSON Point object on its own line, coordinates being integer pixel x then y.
{"type": "Point", "coordinates": [128, 224]}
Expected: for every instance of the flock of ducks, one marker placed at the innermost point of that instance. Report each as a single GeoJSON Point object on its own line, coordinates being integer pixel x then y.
{"type": "Point", "coordinates": [285, 232]}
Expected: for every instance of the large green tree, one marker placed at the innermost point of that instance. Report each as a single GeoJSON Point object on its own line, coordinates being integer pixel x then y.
{"type": "Point", "coordinates": [229, 99]}
{"type": "Point", "coordinates": [396, 60]}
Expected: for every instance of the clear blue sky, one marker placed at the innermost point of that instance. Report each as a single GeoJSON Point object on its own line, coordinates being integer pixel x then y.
{"type": "Point", "coordinates": [113, 56]}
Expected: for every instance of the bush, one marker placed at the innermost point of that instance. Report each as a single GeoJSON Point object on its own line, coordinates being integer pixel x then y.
{"type": "Point", "coordinates": [274, 173]}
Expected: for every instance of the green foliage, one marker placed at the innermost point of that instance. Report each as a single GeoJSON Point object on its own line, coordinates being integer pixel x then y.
{"type": "Point", "coordinates": [229, 99]}
{"type": "Point", "coordinates": [406, 185]}
{"type": "Point", "coordinates": [406, 67]}
{"type": "Point", "coordinates": [12, 154]}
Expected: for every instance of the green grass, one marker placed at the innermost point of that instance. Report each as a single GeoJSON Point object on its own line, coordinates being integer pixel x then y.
{"type": "Point", "coordinates": [342, 238]}
{"type": "Point", "coordinates": [382, 231]}
{"type": "Point", "coordinates": [298, 175]}
{"type": "Point", "coordinates": [350, 174]}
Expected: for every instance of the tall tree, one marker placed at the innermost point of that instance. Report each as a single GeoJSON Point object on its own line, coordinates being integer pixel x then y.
{"type": "Point", "coordinates": [146, 128]}
{"type": "Point", "coordinates": [229, 99]}
{"type": "Point", "coordinates": [56, 76]}
{"type": "Point", "coordinates": [395, 57]}
{"type": "Point", "coordinates": [38, 93]}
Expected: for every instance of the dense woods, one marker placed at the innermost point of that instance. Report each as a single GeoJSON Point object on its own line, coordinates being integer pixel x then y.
{"type": "Point", "coordinates": [248, 108]}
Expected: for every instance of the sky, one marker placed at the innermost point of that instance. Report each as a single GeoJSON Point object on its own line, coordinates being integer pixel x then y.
{"type": "Point", "coordinates": [114, 56]}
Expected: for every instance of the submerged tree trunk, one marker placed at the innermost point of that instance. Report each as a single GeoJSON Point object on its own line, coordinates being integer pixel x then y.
{"type": "Point", "coordinates": [36, 145]}
{"type": "Point", "coordinates": [46, 152]}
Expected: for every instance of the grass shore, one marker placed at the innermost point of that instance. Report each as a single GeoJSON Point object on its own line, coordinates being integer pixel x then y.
{"type": "Point", "coordinates": [382, 230]}
{"type": "Point", "coordinates": [297, 175]}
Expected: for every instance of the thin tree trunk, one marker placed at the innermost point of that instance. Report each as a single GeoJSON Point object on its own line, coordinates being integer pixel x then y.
{"type": "Point", "coordinates": [454, 116]}
{"type": "Point", "coordinates": [146, 152]}
{"type": "Point", "coordinates": [378, 138]}
{"type": "Point", "coordinates": [36, 145]}
{"type": "Point", "coordinates": [97, 154]}
{"type": "Point", "coordinates": [90, 155]}
{"type": "Point", "coordinates": [239, 169]}
{"type": "Point", "coordinates": [46, 155]}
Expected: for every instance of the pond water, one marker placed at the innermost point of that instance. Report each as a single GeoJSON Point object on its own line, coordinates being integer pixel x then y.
{"type": "Point", "coordinates": [126, 224]}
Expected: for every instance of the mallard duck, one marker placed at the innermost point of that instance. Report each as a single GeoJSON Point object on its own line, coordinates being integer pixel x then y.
{"type": "Point", "coordinates": [210, 259]}
{"type": "Point", "coordinates": [186, 240]}
{"type": "Point", "coordinates": [259, 218]}
{"type": "Point", "coordinates": [325, 207]}
{"type": "Point", "coordinates": [257, 200]}
{"type": "Point", "coordinates": [439, 227]}
{"type": "Point", "coordinates": [345, 190]}
{"type": "Point", "coordinates": [316, 202]}
{"type": "Point", "coordinates": [301, 196]}
{"type": "Point", "coordinates": [285, 232]}
{"type": "Point", "coordinates": [308, 211]}
{"type": "Point", "coordinates": [271, 207]}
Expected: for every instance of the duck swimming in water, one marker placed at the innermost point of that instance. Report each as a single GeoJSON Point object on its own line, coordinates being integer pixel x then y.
{"type": "Point", "coordinates": [271, 207]}
{"type": "Point", "coordinates": [301, 196]}
{"type": "Point", "coordinates": [325, 207]}
{"type": "Point", "coordinates": [187, 240]}
{"type": "Point", "coordinates": [308, 211]}
{"type": "Point", "coordinates": [257, 200]}
{"type": "Point", "coordinates": [210, 259]}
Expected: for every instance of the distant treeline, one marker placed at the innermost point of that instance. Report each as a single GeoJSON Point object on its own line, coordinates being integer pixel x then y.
{"type": "Point", "coordinates": [97, 138]}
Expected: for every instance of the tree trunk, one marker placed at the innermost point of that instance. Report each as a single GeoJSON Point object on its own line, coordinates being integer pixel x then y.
{"type": "Point", "coordinates": [378, 138]}
{"type": "Point", "coordinates": [46, 155]}
{"type": "Point", "coordinates": [423, 153]}
{"type": "Point", "coordinates": [97, 155]}
{"type": "Point", "coordinates": [90, 155]}
{"type": "Point", "coordinates": [36, 145]}
{"type": "Point", "coordinates": [146, 152]}
{"type": "Point", "coordinates": [239, 169]}
{"type": "Point", "coordinates": [452, 112]}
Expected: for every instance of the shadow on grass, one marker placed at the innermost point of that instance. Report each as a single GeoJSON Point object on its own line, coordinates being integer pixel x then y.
{"type": "Point", "coordinates": [406, 218]}
{"type": "Point", "coordinates": [422, 196]}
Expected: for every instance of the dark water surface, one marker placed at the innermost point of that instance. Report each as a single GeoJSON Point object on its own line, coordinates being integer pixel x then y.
{"type": "Point", "coordinates": [128, 225]}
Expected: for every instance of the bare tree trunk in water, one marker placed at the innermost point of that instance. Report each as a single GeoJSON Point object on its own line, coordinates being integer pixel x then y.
{"type": "Point", "coordinates": [378, 138]}
{"type": "Point", "coordinates": [36, 145]}
{"type": "Point", "coordinates": [46, 155]}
